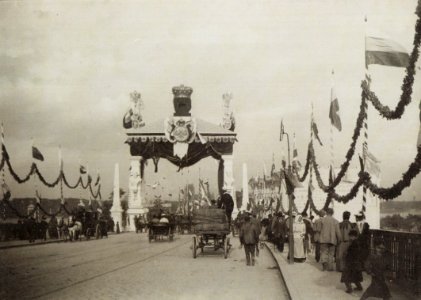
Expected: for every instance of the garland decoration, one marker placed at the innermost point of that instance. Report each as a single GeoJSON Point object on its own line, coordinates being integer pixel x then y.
{"type": "Point", "coordinates": [306, 168]}
{"type": "Point", "coordinates": [408, 81]}
{"type": "Point", "coordinates": [61, 178]}
{"type": "Point", "coordinates": [396, 189]}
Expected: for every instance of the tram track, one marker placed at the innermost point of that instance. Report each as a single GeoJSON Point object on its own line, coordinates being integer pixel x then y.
{"type": "Point", "coordinates": [85, 262]}
{"type": "Point", "coordinates": [129, 264]}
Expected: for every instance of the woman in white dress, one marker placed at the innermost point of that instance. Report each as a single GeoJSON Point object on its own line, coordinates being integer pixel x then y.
{"type": "Point", "coordinates": [299, 230]}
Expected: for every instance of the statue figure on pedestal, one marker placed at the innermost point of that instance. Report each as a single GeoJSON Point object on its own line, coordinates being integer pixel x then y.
{"type": "Point", "coordinates": [133, 117]}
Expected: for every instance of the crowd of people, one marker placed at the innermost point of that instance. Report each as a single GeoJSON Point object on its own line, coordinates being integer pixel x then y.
{"type": "Point", "coordinates": [342, 246]}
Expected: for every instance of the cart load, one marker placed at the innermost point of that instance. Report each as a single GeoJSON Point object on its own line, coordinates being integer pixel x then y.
{"type": "Point", "coordinates": [211, 230]}
{"type": "Point", "coordinates": [210, 219]}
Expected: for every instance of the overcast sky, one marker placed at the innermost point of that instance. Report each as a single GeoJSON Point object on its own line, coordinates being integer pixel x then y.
{"type": "Point", "coordinates": [67, 68]}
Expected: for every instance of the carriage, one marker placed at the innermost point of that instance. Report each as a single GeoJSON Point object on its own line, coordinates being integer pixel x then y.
{"type": "Point", "coordinates": [211, 229]}
{"type": "Point", "coordinates": [157, 229]}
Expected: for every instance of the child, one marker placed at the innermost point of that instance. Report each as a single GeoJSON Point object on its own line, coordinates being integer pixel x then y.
{"type": "Point", "coordinates": [352, 272]}
{"type": "Point", "coordinates": [376, 267]}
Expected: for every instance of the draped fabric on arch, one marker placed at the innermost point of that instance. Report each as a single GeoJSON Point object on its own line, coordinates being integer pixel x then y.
{"type": "Point", "coordinates": [154, 150]}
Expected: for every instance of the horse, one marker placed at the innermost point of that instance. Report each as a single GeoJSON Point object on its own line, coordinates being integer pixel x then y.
{"type": "Point", "coordinates": [75, 230]}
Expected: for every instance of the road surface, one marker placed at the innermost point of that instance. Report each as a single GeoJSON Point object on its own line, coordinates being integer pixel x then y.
{"type": "Point", "coordinates": [126, 266]}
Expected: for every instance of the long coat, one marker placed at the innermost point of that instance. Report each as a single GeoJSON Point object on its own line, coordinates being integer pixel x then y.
{"type": "Point", "coordinates": [352, 271]}
{"type": "Point", "coordinates": [330, 233]}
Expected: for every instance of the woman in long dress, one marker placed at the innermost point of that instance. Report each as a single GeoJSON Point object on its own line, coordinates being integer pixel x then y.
{"type": "Point", "coordinates": [299, 231]}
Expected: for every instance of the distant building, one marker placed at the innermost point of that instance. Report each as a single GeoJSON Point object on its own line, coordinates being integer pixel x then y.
{"type": "Point", "coordinates": [263, 189]}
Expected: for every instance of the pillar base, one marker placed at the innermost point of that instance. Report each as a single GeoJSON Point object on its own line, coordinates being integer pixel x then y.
{"type": "Point", "coordinates": [117, 217]}
{"type": "Point", "coordinates": [131, 214]}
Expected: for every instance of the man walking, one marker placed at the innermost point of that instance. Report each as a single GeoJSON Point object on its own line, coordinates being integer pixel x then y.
{"type": "Point", "coordinates": [317, 229]}
{"type": "Point", "coordinates": [249, 237]}
{"type": "Point", "coordinates": [330, 236]}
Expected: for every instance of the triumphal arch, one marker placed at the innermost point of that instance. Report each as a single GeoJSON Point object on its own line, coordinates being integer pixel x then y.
{"type": "Point", "coordinates": [181, 138]}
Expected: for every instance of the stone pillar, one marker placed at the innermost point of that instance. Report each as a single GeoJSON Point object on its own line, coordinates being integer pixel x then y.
{"type": "Point", "coordinates": [116, 211]}
{"type": "Point", "coordinates": [229, 178]}
{"type": "Point", "coordinates": [245, 201]}
{"type": "Point", "coordinates": [135, 198]}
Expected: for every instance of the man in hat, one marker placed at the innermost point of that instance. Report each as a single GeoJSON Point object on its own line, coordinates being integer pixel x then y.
{"type": "Point", "coordinates": [249, 237]}
{"type": "Point", "coordinates": [360, 220]}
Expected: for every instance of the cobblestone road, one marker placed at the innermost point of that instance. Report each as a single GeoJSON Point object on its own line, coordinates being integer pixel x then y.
{"type": "Point", "coordinates": [126, 266]}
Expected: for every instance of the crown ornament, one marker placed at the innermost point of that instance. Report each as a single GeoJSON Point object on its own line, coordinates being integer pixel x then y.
{"type": "Point", "coordinates": [182, 91]}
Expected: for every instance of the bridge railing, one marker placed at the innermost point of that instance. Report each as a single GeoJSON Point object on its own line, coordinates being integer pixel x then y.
{"type": "Point", "coordinates": [404, 257]}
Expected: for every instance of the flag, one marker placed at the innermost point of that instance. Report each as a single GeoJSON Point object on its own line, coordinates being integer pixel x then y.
{"type": "Point", "coordinates": [385, 52]}
{"type": "Point", "coordinates": [295, 162]}
{"type": "Point", "coordinates": [316, 132]}
{"type": "Point", "coordinates": [36, 154]}
{"type": "Point", "coordinates": [282, 130]}
{"type": "Point", "coordinates": [82, 169]}
{"type": "Point", "coordinates": [98, 179]}
{"type": "Point", "coordinates": [371, 163]}
{"type": "Point", "coordinates": [334, 110]}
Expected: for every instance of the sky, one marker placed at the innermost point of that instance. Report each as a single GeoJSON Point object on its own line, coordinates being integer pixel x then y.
{"type": "Point", "coordinates": [67, 68]}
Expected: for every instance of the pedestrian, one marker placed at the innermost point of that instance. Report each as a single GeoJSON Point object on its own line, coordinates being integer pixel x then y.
{"type": "Point", "coordinates": [352, 264]}
{"type": "Point", "coordinates": [317, 228]}
{"type": "Point", "coordinates": [249, 237]}
{"type": "Point", "coordinates": [227, 203]}
{"type": "Point", "coordinates": [256, 223]}
{"type": "Point", "coordinates": [31, 228]}
{"type": "Point", "coordinates": [330, 235]}
{"type": "Point", "coordinates": [376, 267]}
{"type": "Point", "coordinates": [278, 230]}
{"type": "Point", "coordinates": [364, 240]}
{"type": "Point", "coordinates": [299, 231]}
{"type": "Point", "coordinates": [345, 227]}
{"type": "Point", "coordinates": [308, 234]}
{"type": "Point", "coordinates": [43, 228]}
{"type": "Point", "coordinates": [117, 228]}
{"type": "Point", "coordinates": [360, 220]}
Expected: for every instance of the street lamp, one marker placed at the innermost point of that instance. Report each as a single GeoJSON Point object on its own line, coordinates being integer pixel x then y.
{"type": "Point", "coordinates": [290, 199]}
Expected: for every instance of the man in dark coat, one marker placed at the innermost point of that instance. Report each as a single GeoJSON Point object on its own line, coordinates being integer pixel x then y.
{"type": "Point", "coordinates": [249, 237]}
{"type": "Point", "coordinates": [352, 271]}
{"type": "Point", "coordinates": [279, 231]}
{"type": "Point", "coordinates": [227, 203]}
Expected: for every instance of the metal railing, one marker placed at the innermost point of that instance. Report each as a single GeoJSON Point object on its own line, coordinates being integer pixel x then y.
{"type": "Point", "coordinates": [403, 257]}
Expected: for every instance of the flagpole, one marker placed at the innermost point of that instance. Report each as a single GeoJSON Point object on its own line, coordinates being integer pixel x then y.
{"type": "Point", "coordinates": [3, 147]}
{"type": "Point", "coordinates": [290, 199]}
{"type": "Point", "coordinates": [332, 153]}
{"type": "Point", "coordinates": [365, 120]}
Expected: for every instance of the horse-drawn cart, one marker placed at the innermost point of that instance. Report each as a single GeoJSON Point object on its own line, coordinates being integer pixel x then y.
{"type": "Point", "coordinates": [211, 229]}
{"type": "Point", "coordinates": [159, 230]}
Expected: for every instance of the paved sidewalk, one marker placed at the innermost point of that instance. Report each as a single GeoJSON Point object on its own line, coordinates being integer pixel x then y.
{"type": "Point", "coordinates": [308, 281]}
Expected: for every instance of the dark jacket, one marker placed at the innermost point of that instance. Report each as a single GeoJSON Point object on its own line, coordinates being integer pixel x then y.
{"type": "Point", "coordinates": [249, 233]}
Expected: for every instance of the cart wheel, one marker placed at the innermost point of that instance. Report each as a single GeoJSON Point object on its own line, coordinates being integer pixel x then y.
{"type": "Point", "coordinates": [226, 249]}
{"type": "Point", "coordinates": [194, 246]}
